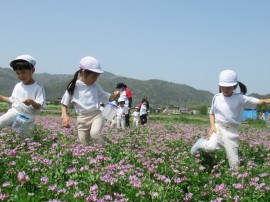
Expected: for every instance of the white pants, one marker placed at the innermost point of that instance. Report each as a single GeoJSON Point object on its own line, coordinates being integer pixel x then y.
{"type": "Point", "coordinates": [227, 136]}
{"type": "Point", "coordinates": [135, 122]}
{"type": "Point", "coordinates": [90, 126]}
{"type": "Point", "coordinates": [113, 122]}
{"type": "Point", "coordinates": [121, 122]}
{"type": "Point", "coordinates": [7, 120]}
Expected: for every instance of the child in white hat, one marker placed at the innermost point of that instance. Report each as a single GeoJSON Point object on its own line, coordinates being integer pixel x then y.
{"type": "Point", "coordinates": [136, 117]}
{"type": "Point", "coordinates": [225, 116]}
{"type": "Point", "coordinates": [27, 98]}
{"type": "Point", "coordinates": [121, 113]}
{"type": "Point", "coordinates": [86, 95]}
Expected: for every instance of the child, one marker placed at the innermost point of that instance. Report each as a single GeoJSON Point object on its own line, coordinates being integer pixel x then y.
{"type": "Point", "coordinates": [125, 94]}
{"type": "Point", "coordinates": [85, 95]}
{"type": "Point", "coordinates": [136, 117]}
{"type": "Point", "coordinates": [225, 116]}
{"type": "Point", "coordinates": [122, 111]}
{"type": "Point", "coordinates": [27, 98]}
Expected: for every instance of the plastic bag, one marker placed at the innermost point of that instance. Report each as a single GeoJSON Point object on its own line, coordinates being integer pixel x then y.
{"type": "Point", "coordinates": [20, 122]}
{"type": "Point", "coordinates": [109, 111]}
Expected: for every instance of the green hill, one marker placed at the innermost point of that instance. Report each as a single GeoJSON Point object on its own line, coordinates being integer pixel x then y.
{"type": "Point", "coordinates": [160, 93]}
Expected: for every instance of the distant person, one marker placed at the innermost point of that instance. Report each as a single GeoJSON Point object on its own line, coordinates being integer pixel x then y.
{"type": "Point", "coordinates": [147, 103]}
{"type": "Point", "coordinates": [85, 95]}
{"type": "Point", "coordinates": [27, 98]}
{"type": "Point", "coordinates": [263, 116]}
{"type": "Point", "coordinates": [122, 111]}
{"type": "Point", "coordinates": [143, 113]}
{"type": "Point", "coordinates": [225, 116]}
{"type": "Point", "coordinates": [125, 94]}
{"type": "Point", "coordinates": [136, 117]}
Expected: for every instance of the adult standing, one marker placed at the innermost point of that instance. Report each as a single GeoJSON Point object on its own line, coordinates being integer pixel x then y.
{"type": "Point", "coordinates": [125, 94]}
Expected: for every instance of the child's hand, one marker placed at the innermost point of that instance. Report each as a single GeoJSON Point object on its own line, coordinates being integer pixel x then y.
{"type": "Point", "coordinates": [211, 131]}
{"type": "Point", "coordinates": [27, 101]}
{"type": "Point", "coordinates": [66, 122]}
{"type": "Point", "coordinates": [116, 93]}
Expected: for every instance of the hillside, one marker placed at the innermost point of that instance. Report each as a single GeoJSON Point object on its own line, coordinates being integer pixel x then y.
{"type": "Point", "coordinates": [160, 93]}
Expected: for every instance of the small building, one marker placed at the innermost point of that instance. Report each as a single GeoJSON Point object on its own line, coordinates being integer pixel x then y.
{"type": "Point", "coordinates": [177, 110]}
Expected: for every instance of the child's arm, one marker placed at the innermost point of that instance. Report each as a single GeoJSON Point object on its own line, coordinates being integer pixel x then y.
{"type": "Point", "coordinates": [115, 95]}
{"type": "Point", "coordinates": [266, 101]}
{"type": "Point", "coordinates": [65, 117]}
{"type": "Point", "coordinates": [4, 99]}
{"type": "Point", "coordinates": [212, 125]}
{"type": "Point", "coordinates": [29, 101]}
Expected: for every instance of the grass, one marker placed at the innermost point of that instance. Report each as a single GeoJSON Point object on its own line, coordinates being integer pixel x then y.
{"type": "Point", "coordinates": [149, 163]}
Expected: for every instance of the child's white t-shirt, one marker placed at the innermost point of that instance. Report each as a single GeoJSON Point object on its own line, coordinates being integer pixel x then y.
{"type": "Point", "coordinates": [136, 115]}
{"type": "Point", "coordinates": [21, 91]}
{"type": "Point", "coordinates": [122, 111]}
{"type": "Point", "coordinates": [229, 110]}
{"type": "Point", "coordinates": [86, 98]}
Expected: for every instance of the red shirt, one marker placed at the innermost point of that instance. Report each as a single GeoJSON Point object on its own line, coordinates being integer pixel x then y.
{"type": "Point", "coordinates": [128, 93]}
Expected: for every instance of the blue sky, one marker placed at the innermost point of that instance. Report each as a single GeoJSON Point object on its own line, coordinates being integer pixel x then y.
{"type": "Point", "coordinates": [182, 41]}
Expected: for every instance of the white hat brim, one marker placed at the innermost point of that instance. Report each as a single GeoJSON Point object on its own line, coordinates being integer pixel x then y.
{"type": "Point", "coordinates": [100, 71]}
{"type": "Point", "coordinates": [226, 84]}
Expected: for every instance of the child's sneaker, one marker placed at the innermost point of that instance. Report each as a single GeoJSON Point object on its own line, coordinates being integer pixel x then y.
{"type": "Point", "coordinates": [197, 146]}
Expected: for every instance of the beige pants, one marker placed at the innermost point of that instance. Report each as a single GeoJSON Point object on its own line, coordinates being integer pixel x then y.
{"type": "Point", "coordinates": [135, 122]}
{"type": "Point", "coordinates": [90, 126]}
{"type": "Point", "coordinates": [121, 122]}
{"type": "Point", "coordinates": [227, 136]}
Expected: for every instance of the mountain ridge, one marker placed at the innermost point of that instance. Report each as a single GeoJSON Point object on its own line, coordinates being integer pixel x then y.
{"type": "Point", "coordinates": [160, 93]}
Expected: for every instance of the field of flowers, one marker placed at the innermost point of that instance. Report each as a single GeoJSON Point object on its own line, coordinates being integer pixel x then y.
{"type": "Point", "coordinates": [149, 163]}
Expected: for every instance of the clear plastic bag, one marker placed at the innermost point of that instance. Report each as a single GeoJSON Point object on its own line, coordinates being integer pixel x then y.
{"type": "Point", "coordinates": [20, 122]}
{"type": "Point", "coordinates": [109, 111]}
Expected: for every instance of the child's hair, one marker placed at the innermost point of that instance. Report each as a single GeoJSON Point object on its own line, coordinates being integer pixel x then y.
{"type": "Point", "coordinates": [243, 88]}
{"type": "Point", "coordinates": [71, 85]}
{"type": "Point", "coordinates": [22, 65]}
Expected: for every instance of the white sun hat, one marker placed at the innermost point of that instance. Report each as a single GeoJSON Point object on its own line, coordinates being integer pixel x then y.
{"type": "Point", "coordinates": [90, 63]}
{"type": "Point", "coordinates": [27, 58]}
{"type": "Point", "coordinates": [227, 78]}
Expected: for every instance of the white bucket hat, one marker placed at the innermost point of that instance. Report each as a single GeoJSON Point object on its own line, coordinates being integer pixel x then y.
{"type": "Point", "coordinates": [27, 58]}
{"type": "Point", "coordinates": [227, 78]}
{"type": "Point", "coordinates": [90, 63]}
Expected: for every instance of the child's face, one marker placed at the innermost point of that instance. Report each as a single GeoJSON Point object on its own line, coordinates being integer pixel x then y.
{"type": "Point", "coordinates": [25, 76]}
{"type": "Point", "coordinates": [91, 78]}
{"type": "Point", "coordinates": [121, 103]}
{"type": "Point", "coordinates": [227, 91]}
